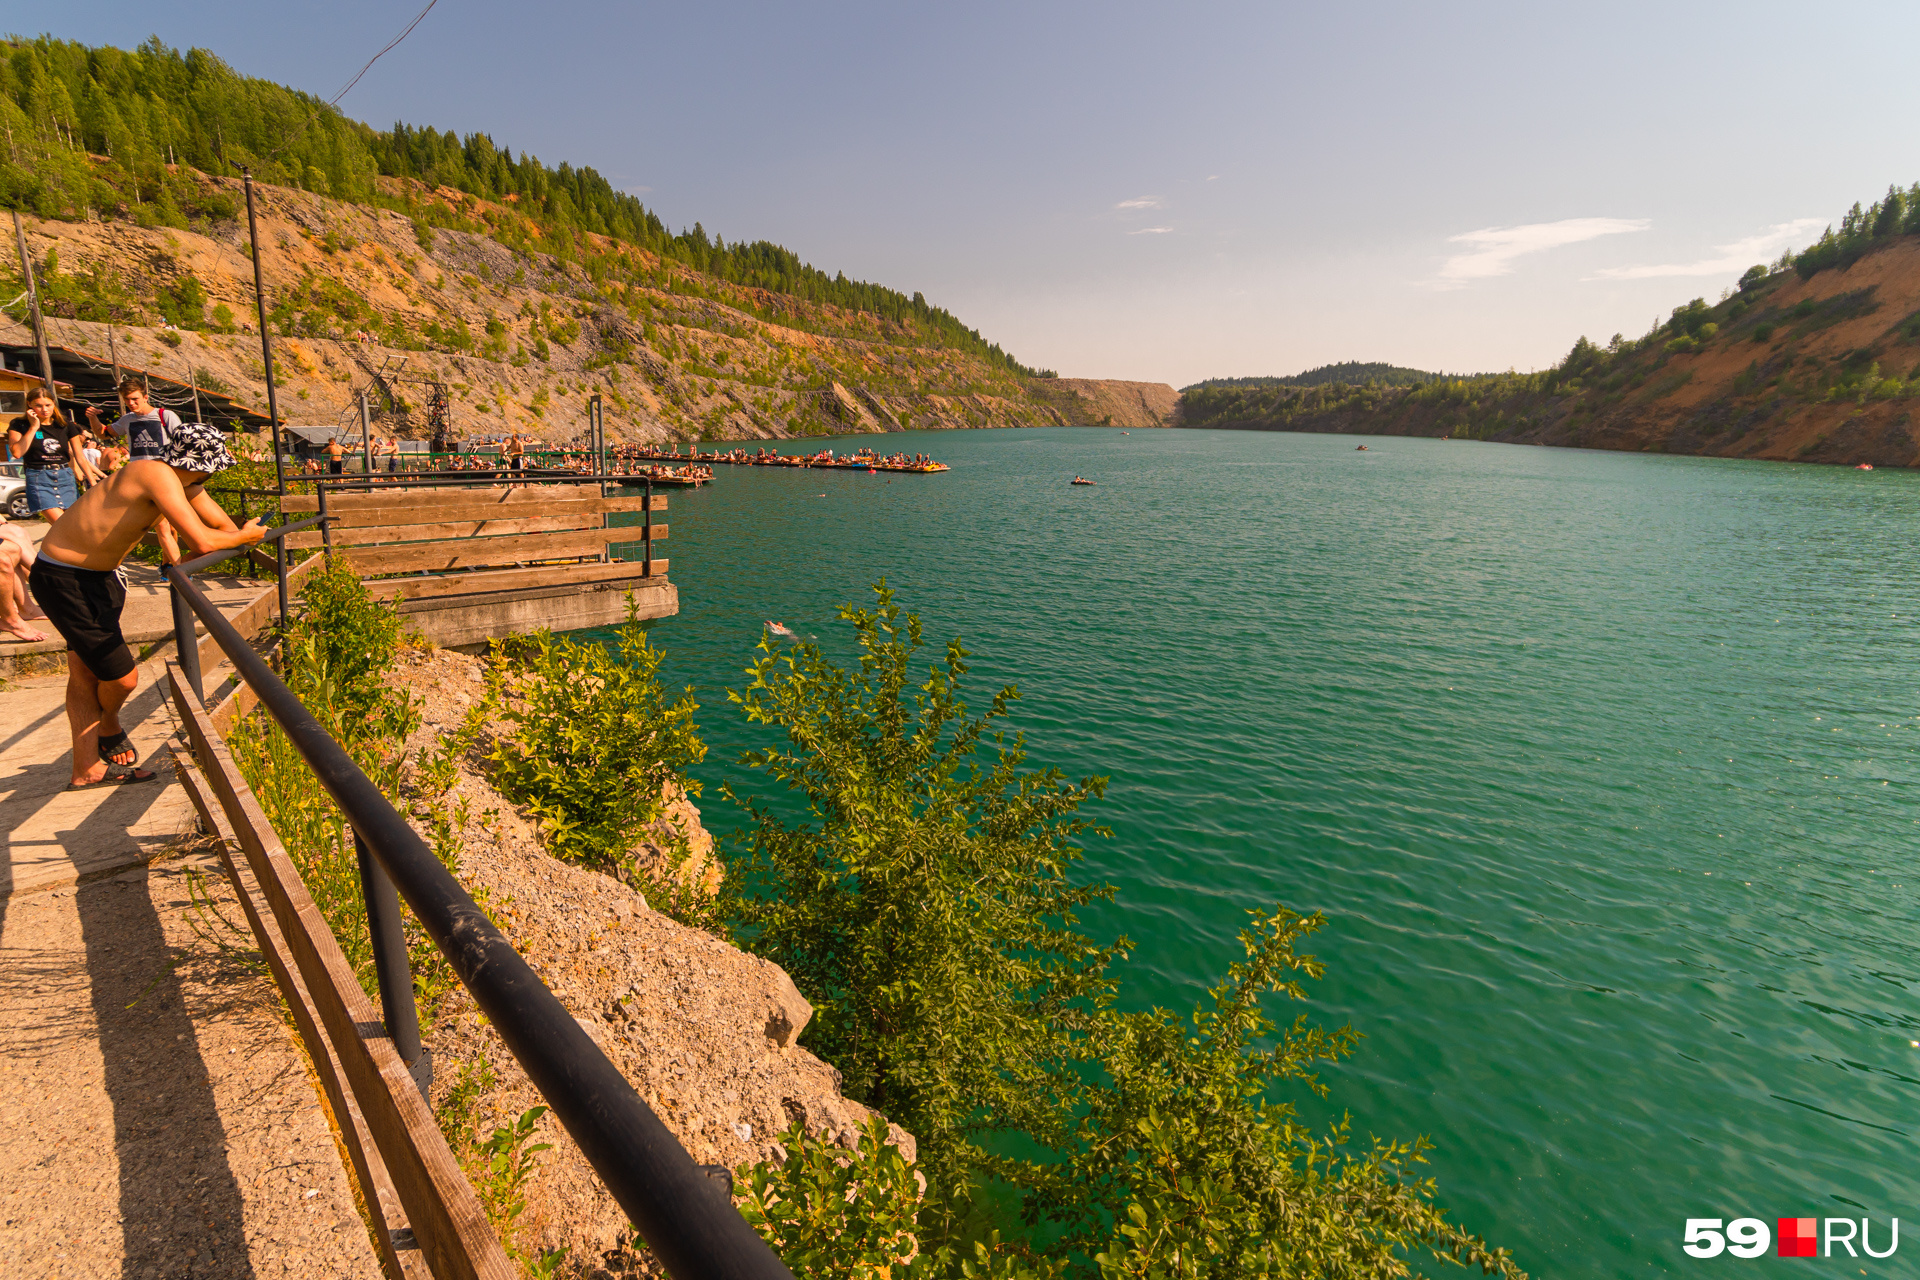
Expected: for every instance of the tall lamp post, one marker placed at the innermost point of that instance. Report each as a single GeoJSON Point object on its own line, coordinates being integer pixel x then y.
{"type": "Point", "coordinates": [266, 341]}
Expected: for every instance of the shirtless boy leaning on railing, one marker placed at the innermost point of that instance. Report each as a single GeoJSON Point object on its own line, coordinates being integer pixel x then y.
{"type": "Point", "coordinates": [74, 580]}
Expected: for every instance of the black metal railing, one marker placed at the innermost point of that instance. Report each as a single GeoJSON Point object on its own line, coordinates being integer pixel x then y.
{"type": "Point", "coordinates": [681, 1209]}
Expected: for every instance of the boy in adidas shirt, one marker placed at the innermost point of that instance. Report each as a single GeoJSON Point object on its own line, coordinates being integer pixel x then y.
{"type": "Point", "coordinates": [146, 428]}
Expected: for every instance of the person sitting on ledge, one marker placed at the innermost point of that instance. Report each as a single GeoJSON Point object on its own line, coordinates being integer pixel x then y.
{"type": "Point", "coordinates": [73, 579]}
{"type": "Point", "coordinates": [16, 605]}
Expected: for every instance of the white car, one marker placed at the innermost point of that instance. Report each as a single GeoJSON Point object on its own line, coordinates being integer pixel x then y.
{"type": "Point", "coordinates": [13, 490]}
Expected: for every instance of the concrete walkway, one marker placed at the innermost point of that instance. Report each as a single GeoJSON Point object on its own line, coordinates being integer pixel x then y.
{"type": "Point", "coordinates": [157, 1116]}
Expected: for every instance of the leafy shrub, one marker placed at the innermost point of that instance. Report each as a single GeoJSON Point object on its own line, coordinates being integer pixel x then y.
{"type": "Point", "coordinates": [184, 302]}
{"type": "Point", "coordinates": [597, 742]}
{"type": "Point", "coordinates": [835, 1214]}
{"type": "Point", "coordinates": [1804, 308]}
{"type": "Point", "coordinates": [501, 1167]}
{"type": "Point", "coordinates": [924, 905]}
{"type": "Point", "coordinates": [1682, 345]}
{"type": "Point", "coordinates": [1762, 332]}
{"type": "Point", "coordinates": [336, 656]}
{"type": "Point", "coordinates": [1688, 321]}
{"type": "Point", "coordinates": [1752, 277]}
{"type": "Point", "coordinates": [1181, 1163]}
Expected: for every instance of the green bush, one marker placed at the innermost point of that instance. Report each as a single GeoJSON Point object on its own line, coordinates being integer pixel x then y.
{"type": "Point", "coordinates": [1762, 332]}
{"type": "Point", "coordinates": [1182, 1163]}
{"type": "Point", "coordinates": [336, 657]}
{"type": "Point", "coordinates": [838, 1214]}
{"type": "Point", "coordinates": [924, 904]}
{"type": "Point", "coordinates": [597, 741]}
{"type": "Point", "coordinates": [184, 302]}
{"type": "Point", "coordinates": [1682, 345]}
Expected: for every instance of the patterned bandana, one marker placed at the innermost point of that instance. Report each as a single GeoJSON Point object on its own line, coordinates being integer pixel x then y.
{"type": "Point", "coordinates": [195, 446]}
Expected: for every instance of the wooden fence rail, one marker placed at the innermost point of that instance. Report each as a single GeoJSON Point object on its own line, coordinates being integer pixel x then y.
{"type": "Point", "coordinates": [399, 1155]}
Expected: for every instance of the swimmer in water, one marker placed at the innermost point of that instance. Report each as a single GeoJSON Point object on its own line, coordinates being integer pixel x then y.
{"type": "Point", "coordinates": [780, 631]}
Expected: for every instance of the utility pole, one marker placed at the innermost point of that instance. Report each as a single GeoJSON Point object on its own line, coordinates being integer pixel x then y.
{"type": "Point", "coordinates": [194, 378]}
{"type": "Point", "coordinates": [266, 341]}
{"type": "Point", "coordinates": [366, 438]}
{"type": "Point", "coordinates": [33, 300]}
{"type": "Point", "coordinates": [113, 354]}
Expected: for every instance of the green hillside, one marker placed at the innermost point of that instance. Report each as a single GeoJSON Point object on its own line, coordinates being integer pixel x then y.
{"type": "Point", "coordinates": [1347, 373]}
{"type": "Point", "coordinates": [97, 130]}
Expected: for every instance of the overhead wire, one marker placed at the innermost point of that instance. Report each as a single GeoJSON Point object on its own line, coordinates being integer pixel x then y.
{"type": "Point", "coordinates": [335, 100]}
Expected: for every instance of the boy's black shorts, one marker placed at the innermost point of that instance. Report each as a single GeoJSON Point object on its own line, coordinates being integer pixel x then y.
{"type": "Point", "coordinates": [84, 607]}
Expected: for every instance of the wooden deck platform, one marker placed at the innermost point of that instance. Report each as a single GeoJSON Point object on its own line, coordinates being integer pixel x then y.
{"type": "Point", "coordinates": [468, 564]}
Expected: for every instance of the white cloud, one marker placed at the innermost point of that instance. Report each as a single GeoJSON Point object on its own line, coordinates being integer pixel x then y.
{"type": "Point", "coordinates": [1140, 202]}
{"type": "Point", "coordinates": [1151, 231]}
{"type": "Point", "coordinates": [1495, 248]}
{"type": "Point", "coordinates": [1738, 256]}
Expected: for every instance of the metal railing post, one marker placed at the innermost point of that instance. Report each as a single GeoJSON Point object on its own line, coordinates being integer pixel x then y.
{"type": "Point", "coordinates": [646, 506]}
{"type": "Point", "coordinates": [184, 645]}
{"type": "Point", "coordinates": [366, 441]}
{"type": "Point", "coordinates": [280, 567]}
{"type": "Point", "coordinates": [326, 525]}
{"type": "Point", "coordinates": [390, 966]}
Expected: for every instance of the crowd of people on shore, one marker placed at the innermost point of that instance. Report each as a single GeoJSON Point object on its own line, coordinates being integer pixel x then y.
{"type": "Point", "coordinates": [521, 454]}
{"type": "Point", "coordinates": [99, 489]}
{"type": "Point", "coordinates": [858, 460]}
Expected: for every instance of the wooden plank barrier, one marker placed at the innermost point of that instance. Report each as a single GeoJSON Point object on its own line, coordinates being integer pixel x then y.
{"type": "Point", "coordinates": [395, 510]}
{"type": "Point", "coordinates": [470, 541]}
{"type": "Point", "coordinates": [436, 586]}
{"type": "Point", "coordinates": [428, 500]}
{"type": "Point", "coordinates": [487, 553]}
{"type": "Point", "coordinates": [448, 1224]}
{"type": "Point", "coordinates": [400, 1262]}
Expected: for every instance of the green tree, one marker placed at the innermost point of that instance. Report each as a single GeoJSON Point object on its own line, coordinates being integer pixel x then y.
{"type": "Point", "coordinates": [923, 904]}
{"type": "Point", "coordinates": [1892, 214]}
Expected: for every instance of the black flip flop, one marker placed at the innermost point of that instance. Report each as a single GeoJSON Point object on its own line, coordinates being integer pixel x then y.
{"type": "Point", "coordinates": [113, 744]}
{"type": "Point", "coordinates": [112, 779]}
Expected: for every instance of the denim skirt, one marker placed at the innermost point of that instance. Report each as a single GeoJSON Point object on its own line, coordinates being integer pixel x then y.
{"type": "Point", "coordinates": [51, 487]}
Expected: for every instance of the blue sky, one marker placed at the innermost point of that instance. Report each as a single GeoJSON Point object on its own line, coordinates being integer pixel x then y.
{"type": "Point", "coordinates": [1170, 192]}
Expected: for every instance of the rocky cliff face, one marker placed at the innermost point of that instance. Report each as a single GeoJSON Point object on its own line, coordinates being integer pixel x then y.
{"type": "Point", "coordinates": [706, 1033]}
{"type": "Point", "coordinates": [1107, 402]}
{"type": "Point", "coordinates": [522, 337]}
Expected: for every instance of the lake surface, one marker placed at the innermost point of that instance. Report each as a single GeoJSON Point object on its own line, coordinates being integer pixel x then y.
{"type": "Point", "coordinates": [1601, 767]}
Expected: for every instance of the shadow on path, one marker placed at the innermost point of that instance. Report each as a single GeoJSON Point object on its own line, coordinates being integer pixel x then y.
{"type": "Point", "coordinates": [177, 1191]}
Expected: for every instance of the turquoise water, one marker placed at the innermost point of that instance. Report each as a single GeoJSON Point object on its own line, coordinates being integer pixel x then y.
{"type": "Point", "coordinates": [1601, 767]}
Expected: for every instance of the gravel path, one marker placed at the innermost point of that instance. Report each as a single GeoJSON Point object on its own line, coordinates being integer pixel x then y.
{"type": "Point", "coordinates": [156, 1116]}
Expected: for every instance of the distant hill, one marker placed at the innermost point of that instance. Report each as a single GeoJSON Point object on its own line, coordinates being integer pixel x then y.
{"type": "Point", "coordinates": [1349, 372]}
{"type": "Point", "coordinates": [1815, 358]}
